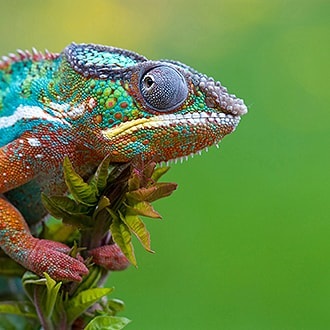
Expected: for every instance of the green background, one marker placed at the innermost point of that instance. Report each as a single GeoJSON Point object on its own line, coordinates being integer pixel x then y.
{"type": "Point", "coordinates": [244, 242]}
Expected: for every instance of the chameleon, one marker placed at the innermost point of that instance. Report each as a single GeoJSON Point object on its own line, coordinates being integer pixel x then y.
{"type": "Point", "coordinates": [88, 102]}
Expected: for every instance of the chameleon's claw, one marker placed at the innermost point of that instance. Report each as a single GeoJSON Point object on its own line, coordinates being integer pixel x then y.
{"type": "Point", "coordinates": [110, 257]}
{"type": "Point", "coordinates": [51, 257]}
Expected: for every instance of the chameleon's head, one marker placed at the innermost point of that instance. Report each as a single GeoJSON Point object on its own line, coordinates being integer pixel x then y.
{"type": "Point", "coordinates": [159, 109]}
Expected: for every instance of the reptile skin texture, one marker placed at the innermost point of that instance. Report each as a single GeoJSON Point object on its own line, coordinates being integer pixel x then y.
{"type": "Point", "coordinates": [87, 102]}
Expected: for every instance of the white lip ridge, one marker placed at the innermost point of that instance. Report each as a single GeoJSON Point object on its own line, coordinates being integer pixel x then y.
{"type": "Point", "coordinates": [195, 118]}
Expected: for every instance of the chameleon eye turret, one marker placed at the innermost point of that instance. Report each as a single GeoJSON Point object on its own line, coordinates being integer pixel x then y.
{"type": "Point", "coordinates": [163, 88]}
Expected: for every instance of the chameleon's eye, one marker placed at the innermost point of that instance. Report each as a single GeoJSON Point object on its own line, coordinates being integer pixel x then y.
{"type": "Point", "coordinates": [163, 88]}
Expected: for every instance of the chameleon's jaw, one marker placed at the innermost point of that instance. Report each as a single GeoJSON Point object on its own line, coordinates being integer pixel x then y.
{"type": "Point", "coordinates": [169, 136]}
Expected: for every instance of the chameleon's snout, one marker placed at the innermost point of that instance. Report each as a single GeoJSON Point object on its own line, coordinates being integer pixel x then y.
{"type": "Point", "coordinates": [217, 96]}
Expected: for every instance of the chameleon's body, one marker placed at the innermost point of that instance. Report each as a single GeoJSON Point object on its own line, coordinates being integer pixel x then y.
{"type": "Point", "coordinates": [88, 102]}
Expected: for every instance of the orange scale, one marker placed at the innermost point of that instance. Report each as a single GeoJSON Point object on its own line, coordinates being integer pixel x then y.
{"type": "Point", "coordinates": [124, 105]}
{"type": "Point", "coordinates": [98, 119]}
{"type": "Point", "coordinates": [118, 115]}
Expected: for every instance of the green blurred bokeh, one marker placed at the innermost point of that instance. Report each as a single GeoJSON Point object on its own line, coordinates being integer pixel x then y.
{"type": "Point", "coordinates": [244, 243]}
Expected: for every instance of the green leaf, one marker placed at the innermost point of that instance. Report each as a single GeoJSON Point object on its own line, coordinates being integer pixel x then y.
{"type": "Point", "coordinates": [143, 208]}
{"type": "Point", "coordinates": [137, 226]}
{"type": "Point", "coordinates": [148, 170]}
{"type": "Point", "coordinates": [134, 181]}
{"type": "Point", "coordinates": [52, 295]}
{"type": "Point", "coordinates": [56, 210]}
{"type": "Point", "coordinates": [82, 301]}
{"type": "Point", "coordinates": [67, 204]}
{"type": "Point", "coordinates": [22, 308]}
{"type": "Point", "coordinates": [152, 193]}
{"type": "Point", "coordinates": [159, 172]}
{"type": "Point", "coordinates": [44, 294]}
{"type": "Point", "coordinates": [102, 204]}
{"type": "Point", "coordinates": [59, 232]}
{"type": "Point", "coordinates": [164, 189]}
{"type": "Point", "coordinates": [107, 323]}
{"type": "Point", "coordinates": [116, 305]}
{"type": "Point", "coordinates": [91, 280]}
{"type": "Point", "coordinates": [141, 194]}
{"type": "Point", "coordinates": [100, 177]}
{"type": "Point", "coordinates": [30, 280]}
{"type": "Point", "coordinates": [123, 238]}
{"type": "Point", "coordinates": [81, 191]}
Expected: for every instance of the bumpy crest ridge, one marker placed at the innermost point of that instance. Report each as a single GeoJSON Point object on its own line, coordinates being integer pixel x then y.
{"type": "Point", "coordinates": [26, 55]}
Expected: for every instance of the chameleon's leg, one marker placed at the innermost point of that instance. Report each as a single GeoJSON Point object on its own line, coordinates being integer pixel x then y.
{"type": "Point", "coordinates": [110, 257]}
{"type": "Point", "coordinates": [37, 255]}
{"type": "Point", "coordinates": [20, 161]}
{"type": "Point", "coordinates": [24, 158]}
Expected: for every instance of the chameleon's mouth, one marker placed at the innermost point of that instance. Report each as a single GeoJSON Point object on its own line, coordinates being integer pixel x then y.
{"type": "Point", "coordinates": [173, 120]}
{"type": "Point", "coordinates": [169, 136]}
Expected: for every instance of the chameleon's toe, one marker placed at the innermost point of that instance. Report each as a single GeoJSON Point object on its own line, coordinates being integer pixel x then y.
{"type": "Point", "coordinates": [50, 257]}
{"type": "Point", "coordinates": [110, 257]}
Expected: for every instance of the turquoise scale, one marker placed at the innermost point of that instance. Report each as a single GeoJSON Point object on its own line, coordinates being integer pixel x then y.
{"type": "Point", "coordinates": [29, 80]}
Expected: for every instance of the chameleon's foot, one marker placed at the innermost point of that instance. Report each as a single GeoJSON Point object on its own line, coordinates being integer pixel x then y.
{"type": "Point", "coordinates": [37, 255]}
{"type": "Point", "coordinates": [51, 257]}
{"type": "Point", "coordinates": [110, 257]}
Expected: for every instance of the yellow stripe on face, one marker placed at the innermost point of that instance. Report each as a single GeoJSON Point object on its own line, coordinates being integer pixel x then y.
{"type": "Point", "coordinates": [112, 132]}
{"type": "Point", "coordinates": [190, 119]}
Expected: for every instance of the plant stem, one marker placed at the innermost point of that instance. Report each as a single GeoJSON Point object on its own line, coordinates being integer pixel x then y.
{"type": "Point", "coordinates": [44, 321]}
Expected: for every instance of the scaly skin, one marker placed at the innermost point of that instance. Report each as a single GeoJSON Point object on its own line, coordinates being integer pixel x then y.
{"type": "Point", "coordinates": [85, 103]}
